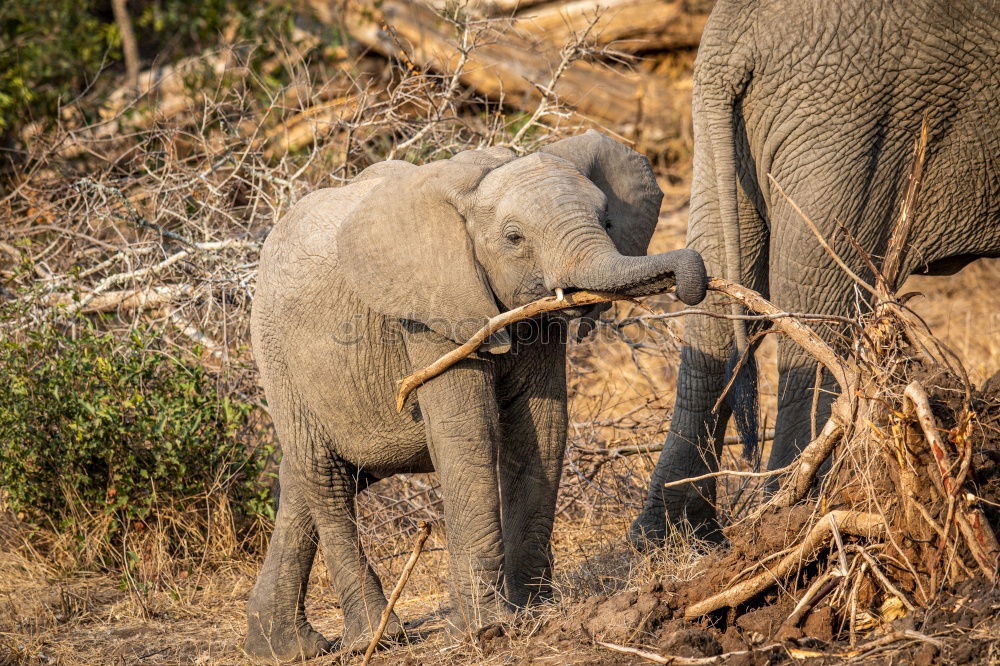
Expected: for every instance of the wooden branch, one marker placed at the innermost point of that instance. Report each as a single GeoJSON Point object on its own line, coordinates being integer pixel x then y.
{"type": "Point", "coordinates": [726, 472]}
{"type": "Point", "coordinates": [894, 254]}
{"type": "Point", "coordinates": [629, 25]}
{"type": "Point", "coordinates": [639, 449]}
{"type": "Point", "coordinates": [99, 299]}
{"type": "Point", "coordinates": [852, 522]}
{"type": "Point", "coordinates": [976, 531]}
{"type": "Point", "coordinates": [895, 637]}
{"type": "Point", "coordinates": [418, 545]}
{"type": "Point", "coordinates": [510, 66]}
{"type": "Point", "coordinates": [130, 48]}
{"type": "Point", "coordinates": [145, 298]}
{"type": "Point", "coordinates": [842, 371]}
{"type": "Point", "coordinates": [677, 660]}
{"type": "Point", "coordinates": [809, 461]}
{"type": "Point", "coordinates": [818, 591]}
{"type": "Point", "coordinates": [884, 580]}
{"type": "Point", "coordinates": [542, 305]}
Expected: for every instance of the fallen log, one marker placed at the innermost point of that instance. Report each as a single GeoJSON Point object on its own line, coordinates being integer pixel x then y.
{"type": "Point", "coordinates": [507, 65]}
{"type": "Point", "coordinates": [145, 298]}
{"type": "Point", "coordinates": [490, 7]}
{"type": "Point", "coordinates": [309, 125]}
{"type": "Point", "coordinates": [628, 25]}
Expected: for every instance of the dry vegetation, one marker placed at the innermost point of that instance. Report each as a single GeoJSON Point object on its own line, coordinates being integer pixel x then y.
{"type": "Point", "coordinates": [149, 206]}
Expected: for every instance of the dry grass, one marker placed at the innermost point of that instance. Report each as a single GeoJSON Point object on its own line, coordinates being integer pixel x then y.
{"type": "Point", "coordinates": [98, 212]}
{"type": "Point", "coordinates": [192, 612]}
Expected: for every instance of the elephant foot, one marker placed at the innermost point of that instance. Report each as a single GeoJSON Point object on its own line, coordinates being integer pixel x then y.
{"type": "Point", "coordinates": [464, 625]}
{"type": "Point", "coordinates": [527, 597]}
{"type": "Point", "coordinates": [274, 642]}
{"type": "Point", "coordinates": [358, 634]}
{"type": "Point", "coordinates": [646, 533]}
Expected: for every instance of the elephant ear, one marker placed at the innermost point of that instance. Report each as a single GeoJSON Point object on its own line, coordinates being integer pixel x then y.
{"type": "Point", "coordinates": [627, 181]}
{"type": "Point", "coordinates": [487, 157]}
{"type": "Point", "coordinates": [406, 253]}
{"type": "Point", "coordinates": [384, 169]}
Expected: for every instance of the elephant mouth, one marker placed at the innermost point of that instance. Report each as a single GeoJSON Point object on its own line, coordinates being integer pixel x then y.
{"type": "Point", "coordinates": [570, 313]}
{"type": "Point", "coordinates": [561, 292]}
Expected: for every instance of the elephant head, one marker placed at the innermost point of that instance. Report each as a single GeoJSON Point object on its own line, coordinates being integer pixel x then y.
{"type": "Point", "coordinates": [453, 242]}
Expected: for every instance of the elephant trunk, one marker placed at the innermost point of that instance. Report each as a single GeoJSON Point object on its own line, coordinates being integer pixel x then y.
{"type": "Point", "coordinates": [641, 276]}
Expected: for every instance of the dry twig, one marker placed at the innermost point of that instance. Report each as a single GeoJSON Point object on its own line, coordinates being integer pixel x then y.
{"type": "Point", "coordinates": [677, 660]}
{"type": "Point", "coordinates": [424, 531]}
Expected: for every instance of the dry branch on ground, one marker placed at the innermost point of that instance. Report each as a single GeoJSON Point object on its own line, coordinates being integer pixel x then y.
{"type": "Point", "coordinates": [511, 67]}
{"type": "Point", "coordinates": [626, 25]}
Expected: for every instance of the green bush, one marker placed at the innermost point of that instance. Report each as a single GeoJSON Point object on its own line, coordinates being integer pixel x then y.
{"type": "Point", "coordinates": [94, 423]}
{"type": "Point", "coordinates": [52, 50]}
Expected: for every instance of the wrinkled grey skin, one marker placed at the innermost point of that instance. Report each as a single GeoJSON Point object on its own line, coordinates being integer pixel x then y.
{"type": "Point", "coordinates": [828, 98]}
{"type": "Point", "coordinates": [362, 285]}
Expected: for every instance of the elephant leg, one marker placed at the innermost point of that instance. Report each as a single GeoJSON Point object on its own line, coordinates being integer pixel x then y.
{"type": "Point", "coordinates": [803, 405]}
{"type": "Point", "coordinates": [460, 416]}
{"type": "Point", "coordinates": [277, 629]}
{"type": "Point", "coordinates": [692, 448]}
{"type": "Point", "coordinates": [697, 429]}
{"type": "Point", "coordinates": [533, 441]}
{"type": "Point", "coordinates": [332, 502]}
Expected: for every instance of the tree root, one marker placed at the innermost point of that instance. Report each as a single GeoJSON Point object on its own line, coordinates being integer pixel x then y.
{"type": "Point", "coordinates": [976, 532]}
{"type": "Point", "coordinates": [852, 522]}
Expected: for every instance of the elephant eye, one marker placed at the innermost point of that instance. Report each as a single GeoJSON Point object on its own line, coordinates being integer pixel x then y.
{"type": "Point", "coordinates": [514, 238]}
{"type": "Point", "coordinates": [605, 220]}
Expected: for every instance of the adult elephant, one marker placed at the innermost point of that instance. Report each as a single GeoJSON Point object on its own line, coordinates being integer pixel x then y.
{"type": "Point", "coordinates": [360, 286]}
{"type": "Point", "coordinates": [827, 98]}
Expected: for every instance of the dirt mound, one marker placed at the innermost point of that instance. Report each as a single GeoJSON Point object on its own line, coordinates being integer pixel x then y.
{"type": "Point", "coordinates": [961, 628]}
{"type": "Point", "coordinates": [875, 622]}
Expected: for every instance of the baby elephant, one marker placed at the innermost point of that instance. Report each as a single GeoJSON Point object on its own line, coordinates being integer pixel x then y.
{"type": "Point", "coordinates": [361, 285]}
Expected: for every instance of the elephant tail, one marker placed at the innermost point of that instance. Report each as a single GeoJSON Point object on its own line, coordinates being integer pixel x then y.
{"type": "Point", "coordinates": [720, 108]}
{"type": "Point", "coordinates": [742, 400]}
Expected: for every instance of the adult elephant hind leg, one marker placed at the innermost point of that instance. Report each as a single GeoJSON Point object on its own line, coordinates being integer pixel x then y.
{"type": "Point", "coordinates": [332, 490]}
{"type": "Point", "coordinates": [803, 403]}
{"type": "Point", "coordinates": [805, 278]}
{"type": "Point", "coordinates": [277, 629]}
{"type": "Point", "coordinates": [697, 428]}
{"type": "Point", "coordinates": [692, 449]}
